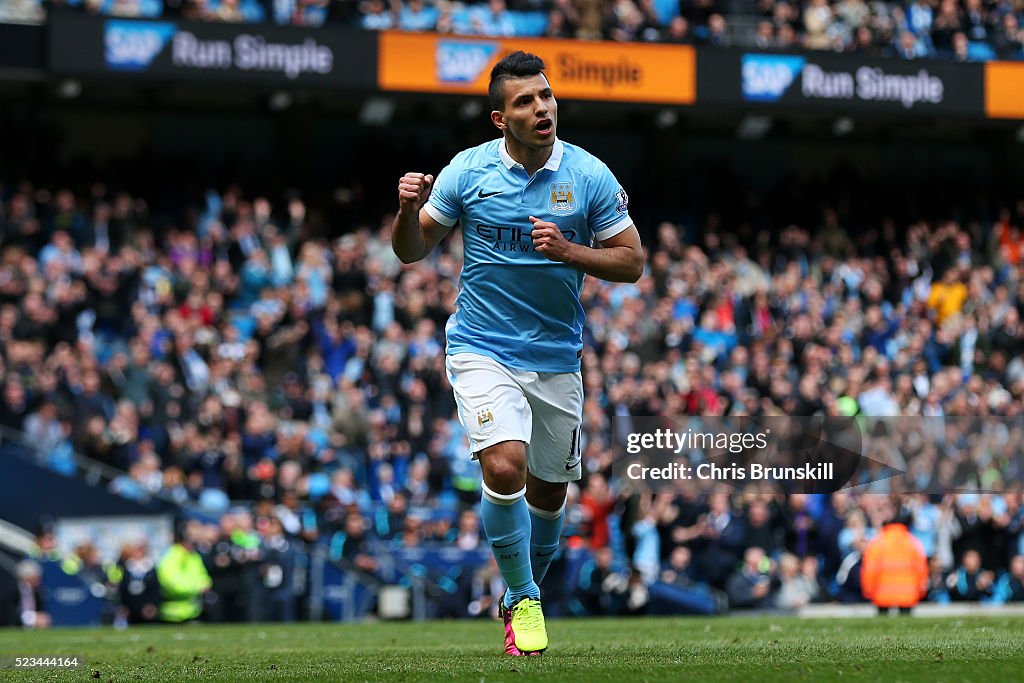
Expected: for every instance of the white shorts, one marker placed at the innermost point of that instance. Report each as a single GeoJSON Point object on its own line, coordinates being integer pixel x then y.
{"type": "Point", "coordinates": [542, 409]}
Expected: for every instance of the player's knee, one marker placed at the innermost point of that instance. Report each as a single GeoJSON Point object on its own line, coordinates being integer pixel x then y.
{"type": "Point", "coordinates": [504, 477]}
{"type": "Point", "coordinates": [546, 495]}
{"type": "Point", "coordinates": [504, 468]}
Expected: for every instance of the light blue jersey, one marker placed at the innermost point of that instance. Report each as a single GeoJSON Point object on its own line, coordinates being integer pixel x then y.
{"type": "Point", "coordinates": [514, 304]}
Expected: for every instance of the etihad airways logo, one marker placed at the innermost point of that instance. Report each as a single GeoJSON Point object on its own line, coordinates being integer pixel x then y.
{"type": "Point", "coordinates": [512, 239]}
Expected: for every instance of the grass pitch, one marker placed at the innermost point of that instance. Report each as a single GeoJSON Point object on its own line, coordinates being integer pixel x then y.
{"type": "Point", "coordinates": [985, 649]}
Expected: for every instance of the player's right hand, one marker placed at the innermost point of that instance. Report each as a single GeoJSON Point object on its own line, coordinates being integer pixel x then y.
{"type": "Point", "coordinates": [413, 190]}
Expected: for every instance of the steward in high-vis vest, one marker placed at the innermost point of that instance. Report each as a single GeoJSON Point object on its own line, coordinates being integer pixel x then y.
{"type": "Point", "coordinates": [894, 571]}
{"type": "Point", "coordinates": [183, 580]}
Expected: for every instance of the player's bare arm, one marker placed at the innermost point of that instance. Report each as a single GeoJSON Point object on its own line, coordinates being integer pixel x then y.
{"type": "Point", "coordinates": [414, 234]}
{"type": "Point", "coordinates": [620, 258]}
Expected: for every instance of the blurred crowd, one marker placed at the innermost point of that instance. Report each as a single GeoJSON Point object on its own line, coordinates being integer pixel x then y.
{"type": "Point", "coordinates": [960, 30]}
{"type": "Point", "coordinates": [238, 356]}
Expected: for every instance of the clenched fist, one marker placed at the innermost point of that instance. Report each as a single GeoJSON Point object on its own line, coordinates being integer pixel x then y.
{"type": "Point", "coordinates": [549, 240]}
{"type": "Point", "coordinates": [413, 190]}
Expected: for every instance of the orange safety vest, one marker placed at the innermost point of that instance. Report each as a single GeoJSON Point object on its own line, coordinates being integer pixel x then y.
{"type": "Point", "coordinates": [894, 571]}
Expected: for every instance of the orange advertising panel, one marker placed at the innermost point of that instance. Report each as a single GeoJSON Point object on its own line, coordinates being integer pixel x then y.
{"type": "Point", "coordinates": [662, 74]}
{"type": "Point", "coordinates": [1004, 90]}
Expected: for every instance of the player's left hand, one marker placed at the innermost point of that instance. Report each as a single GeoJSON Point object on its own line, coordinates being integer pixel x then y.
{"type": "Point", "coordinates": [549, 240]}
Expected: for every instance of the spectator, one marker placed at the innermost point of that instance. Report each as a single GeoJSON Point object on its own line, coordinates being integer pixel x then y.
{"type": "Point", "coordinates": [557, 26]}
{"type": "Point", "coordinates": [755, 583]}
{"type": "Point", "coordinates": [563, 20]}
{"type": "Point", "coordinates": [677, 593]}
{"type": "Point", "coordinates": [228, 11]}
{"type": "Point", "coordinates": [948, 296]}
{"type": "Point", "coordinates": [414, 16]}
{"type": "Point", "coordinates": [487, 588]}
{"type": "Point", "coordinates": [817, 22]}
{"type": "Point", "coordinates": [1008, 40]}
{"type": "Point", "coordinates": [602, 589]}
{"type": "Point", "coordinates": [920, 15]}
{"type": "Point", "coordinates": [721, 540]}
{"type": "Point", "coordinates": [894, 572]}
{"type": "Point", "coordinates": [946, 25]}
{"type": "Point", "coordinates": [909, 47]}
{"type": "Point", "coordinates": [698, 12]}
{"type": "Point", "coordinates": [978, 531]}
{"type": "Point", "coordinates": [975, 20]}
{"type": "Point", "coordinates": [1010, 587]}
{"type": "Point", "coordinates": [798, 587]}
{"type": "Point", "coordinates": [14, 409]}
{"type": "Point", "coordinates": [937, 591]}
{"type": "Point", "coordinates": [597, 503]}
{"type": "Point", "coordinates": [139, 590]}
{"type": "Point", "coordinates": [678, 31]}
{"type": "Point", "coordinates": [183, 580]}
{"type": "Point", "coordinates": [234, 559]}
{"type": "Point", "coordinates": [353, 545]}
{"type": "Point", "coordinates": [863, 42]}
{"type": "Point", "coordinates": [961, 47]}
{"type": "Point", "coordinates": [376, 16]}
{"type": "Point", "coordinates": [60, 254]}
{"type": "Point", "coordinates": [278, 574]}
{"type": "Point", "coordinates": [31, 609]}
{"type": "Point", "coordinates": [493, 20]}
{"type": "Point", "coordinates": [717, 31]}
{"type": "Point", "coordinates": [970, 581]}
{"type": "Point", "coordinates": [764, 38]}
{"type": "Point", "coordinates": [760, 529]}
{"type": "Point", "coordinates": [468, 536]}
{"type": "Point", "coordinates": [22, 10]}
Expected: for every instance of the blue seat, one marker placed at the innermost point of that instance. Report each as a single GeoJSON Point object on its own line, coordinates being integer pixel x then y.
{"type": "Point", "coordinates": [529, 23]}
{"type": "Point", "coordinates": [254, 12]}
{"type": "Point", "coordinates": [667, 10]}
{"type": "Point", "coordinates": [978, 51]}
{"type": "Point", "coordinates": [149, 9]}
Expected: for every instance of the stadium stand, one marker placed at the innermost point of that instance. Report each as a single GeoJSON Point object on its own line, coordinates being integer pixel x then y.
{"type": "Point", "coordinates": [963, 31]}
{"type": "Point", "coordinates": [284, 389]}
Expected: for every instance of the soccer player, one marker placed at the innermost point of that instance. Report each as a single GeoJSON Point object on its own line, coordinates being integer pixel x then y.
{"type": "Point", "coordinates": [531, 206]}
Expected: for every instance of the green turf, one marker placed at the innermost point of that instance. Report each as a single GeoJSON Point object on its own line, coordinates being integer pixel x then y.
{"type": "Point", "coordinates": [984, 649]}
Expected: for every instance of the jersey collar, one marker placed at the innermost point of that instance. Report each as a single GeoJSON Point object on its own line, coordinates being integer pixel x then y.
{"type": "Point", "coordinates": [552, 164]}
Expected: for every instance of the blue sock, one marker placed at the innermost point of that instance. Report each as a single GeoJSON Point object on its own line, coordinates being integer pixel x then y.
{"type": "Point", "coordinates": [506, 521]}
{"type": "Point", "coordinates": [547, 529]}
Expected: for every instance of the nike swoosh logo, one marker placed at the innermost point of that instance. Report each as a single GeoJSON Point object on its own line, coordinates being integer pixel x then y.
{"type": "Point", "coordinates": [507, 545]}
{"type": "Point", "coordinates": [546, 554]}
{"type": "Point", "coordinates": [484, 195]}
{"type": "Point", "coordinates": [569, 466]}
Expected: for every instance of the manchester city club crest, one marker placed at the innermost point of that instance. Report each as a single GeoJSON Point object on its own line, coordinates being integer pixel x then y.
{"type": "Point", "coordinates": [485, 420]}
{"type": "Point", "coordinates": [563, 199]}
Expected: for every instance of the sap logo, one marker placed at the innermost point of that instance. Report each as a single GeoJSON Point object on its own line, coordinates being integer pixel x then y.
{"type": "Point", "coordinates": [766, 77]}
{"type": "Point", "coordinates": [463, 61]}
{"type": "Point", "coordinates": [132, 45]}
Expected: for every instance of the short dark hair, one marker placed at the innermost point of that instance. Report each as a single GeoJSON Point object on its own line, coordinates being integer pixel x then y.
{"type": "Point", "coordinates": [519, 64]}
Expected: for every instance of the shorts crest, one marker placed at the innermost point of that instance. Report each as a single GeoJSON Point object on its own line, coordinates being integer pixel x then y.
{"type": "Point", "coordinates": [485, 420]}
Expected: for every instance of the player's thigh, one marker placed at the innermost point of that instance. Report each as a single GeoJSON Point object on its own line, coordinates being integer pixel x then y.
{"type": "Point", "coordinates": [491, 404]}
{"type": "Point", "coordinates": [554, 452]}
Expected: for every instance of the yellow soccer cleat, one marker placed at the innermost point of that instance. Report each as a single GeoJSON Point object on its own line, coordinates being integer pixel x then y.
{"type": "Point", "coordinates": [524, 627]}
